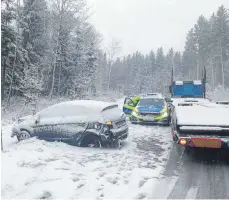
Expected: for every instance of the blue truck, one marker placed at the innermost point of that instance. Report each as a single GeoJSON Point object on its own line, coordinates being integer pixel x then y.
{"type": "Point", "coordinates": [188, 89]}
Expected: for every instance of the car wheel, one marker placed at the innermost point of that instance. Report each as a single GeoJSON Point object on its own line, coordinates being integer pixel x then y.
{"type": "Point", "coordinates": [167, 124]}
{"type": "Point", "coordinates": [117, 144]}
{"type": "Point", "coordinates": [132, 121]}
{"type": "Point", "coordinates": [94, 144]}
{"type": "Point", "coordinates": [23, 135]}
{"type": "Point", "coordinates": [91, 141]}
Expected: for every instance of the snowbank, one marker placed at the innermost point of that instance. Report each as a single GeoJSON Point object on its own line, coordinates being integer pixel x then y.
{"type": "Point", "coordinates": [35, 169]}
{"type": "Point", "coordinates": [219, 94]}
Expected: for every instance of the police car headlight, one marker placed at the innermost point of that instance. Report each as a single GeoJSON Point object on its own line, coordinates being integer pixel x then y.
{"type": "Point", "coordinates": [164, 110]}
{"type": "Point", "coordinates": [165, 114]}
{"type": "Point", "coordinates": [135, 113]}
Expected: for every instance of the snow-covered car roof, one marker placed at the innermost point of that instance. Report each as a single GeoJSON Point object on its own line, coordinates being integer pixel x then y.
{"type": "Point", "coordinates": [76, 107]}
{"type": "Point", "coordinates": [72, 112]}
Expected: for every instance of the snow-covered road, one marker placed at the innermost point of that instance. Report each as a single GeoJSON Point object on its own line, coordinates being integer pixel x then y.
{"type": "Point", "coordinates": [38, 169]}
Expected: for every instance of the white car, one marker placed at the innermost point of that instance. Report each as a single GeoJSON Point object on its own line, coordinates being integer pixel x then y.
{"type": "Point", "coordinates": [80, 122]}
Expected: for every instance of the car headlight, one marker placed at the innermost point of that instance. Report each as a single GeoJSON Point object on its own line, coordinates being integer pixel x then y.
{"type": "Point", "coordinates": [105, 130]}
{"type": "Point", "coordinates": [108, 123]}
{"type": "Point", "coordinates": [164, 110]}
{"type": "Point", "coordinates": [135, 113]}
{"type": "Point", "coordinates": [97, 126]}
{"type": "Point", "coordinates": [165, 114]}
{"type": "Point", "coordinates": [94, 125]}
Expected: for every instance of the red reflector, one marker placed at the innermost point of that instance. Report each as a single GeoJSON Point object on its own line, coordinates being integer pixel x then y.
{"type": "Point", "coordinates": [174, 133]}
{"type": "Point", "coordinates": [207, 142]}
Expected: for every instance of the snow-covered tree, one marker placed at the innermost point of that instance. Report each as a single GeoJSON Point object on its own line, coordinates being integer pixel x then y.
{"type": "Point", "coordinates": [8, 44]}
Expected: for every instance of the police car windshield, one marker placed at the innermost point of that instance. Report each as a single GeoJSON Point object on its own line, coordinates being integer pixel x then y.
{"type": "Point", "coordinates": [151, 102]}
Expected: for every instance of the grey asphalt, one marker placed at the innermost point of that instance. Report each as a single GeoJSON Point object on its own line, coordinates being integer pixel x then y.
{"type": "Point", "coordinates": [199, 174]}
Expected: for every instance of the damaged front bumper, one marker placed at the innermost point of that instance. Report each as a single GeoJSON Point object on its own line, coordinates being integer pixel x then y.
{"type": "Point", "coordinates": [112, 135]}
{"type": "Point", "coordinates": [15, 131]}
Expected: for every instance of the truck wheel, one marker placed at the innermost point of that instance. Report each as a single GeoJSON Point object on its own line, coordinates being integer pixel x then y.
{"type": "Point", "coordinates": [132, 121]}
{"type": "Point", "coordinates": [179, 148]}
{"type": "Point", "coordinates": [188, 150]}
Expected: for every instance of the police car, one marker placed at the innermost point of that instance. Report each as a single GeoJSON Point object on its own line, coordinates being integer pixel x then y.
{"type": "Point", "coordinates": [149, 108]}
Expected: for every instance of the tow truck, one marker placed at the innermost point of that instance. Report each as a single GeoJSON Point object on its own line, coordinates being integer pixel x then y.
{"type": "Point", "coordinates": [196, 121]}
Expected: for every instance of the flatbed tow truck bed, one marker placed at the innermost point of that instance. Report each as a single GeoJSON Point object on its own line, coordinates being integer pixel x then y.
{"type": "Point", "coordinates": [200, 123]}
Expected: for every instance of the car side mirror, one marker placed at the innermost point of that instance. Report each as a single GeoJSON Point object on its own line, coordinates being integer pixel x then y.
{"type": "Point", "coordinates": [131, 104]}
{"type": "Point", "coordinates": [168, 100]}
{"type": "Point", "coordinates": [14, 119]}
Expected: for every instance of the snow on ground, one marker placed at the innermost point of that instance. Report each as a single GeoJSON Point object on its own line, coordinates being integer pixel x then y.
{"type": "Point", "coordinates": [218, 94]}
{"type": "Point", "coordinates": [35, 169]}
{"type": "Point", "coordinates": [39, 169]}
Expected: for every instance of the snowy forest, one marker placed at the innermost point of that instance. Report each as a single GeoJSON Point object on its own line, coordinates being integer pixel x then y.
{"type": "Point", "coordinates": [207, 44]}
{"type": "Point", "coordinates": [52, 50]}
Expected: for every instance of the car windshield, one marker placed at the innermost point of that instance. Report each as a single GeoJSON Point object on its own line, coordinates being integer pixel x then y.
{"type": "Point", "coordinates": [151, 102]}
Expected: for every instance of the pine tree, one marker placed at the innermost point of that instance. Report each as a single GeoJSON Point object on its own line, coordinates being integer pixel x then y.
{"type": "Point", "coordinates": [152, 73]}
{"type": "Point", "coordinates": [190, 57]}
{"type": "Point", "coordinates": [14, 56]}
{"type": "Point", "coordinates": [8, 44]}
{"type": "Point", "coordinates": [222, 35]}
{"type": "Point", "coordinates": [160, 71]}
{"type": "Point", "coordinates": [178, 68]}
{"type": "Point", "coordinates": [34, 40]}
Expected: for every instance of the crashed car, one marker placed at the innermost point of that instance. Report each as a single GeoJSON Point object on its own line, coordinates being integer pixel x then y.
{"type": "Point", "coordinates": [147, 109]}
{"type": "Point", "coordinates": [84, 123]}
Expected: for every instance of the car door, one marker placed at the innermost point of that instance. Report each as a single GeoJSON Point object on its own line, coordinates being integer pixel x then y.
{"type": "Point", "coordinates": [58, 128]}
{"type": "Point", "coordinates": [128, 106]}
{"type": "Point", "coordinates": [46, 124]}
{"type": "Point", "coordinates": [45, 131]}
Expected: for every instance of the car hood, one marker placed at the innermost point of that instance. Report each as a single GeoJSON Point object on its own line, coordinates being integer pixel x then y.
{"type": "Point", "coordinates": [148, 109]}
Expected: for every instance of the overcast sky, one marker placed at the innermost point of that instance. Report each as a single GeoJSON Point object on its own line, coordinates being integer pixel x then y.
{"type": "Point", "coordinates": [148, 24]}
